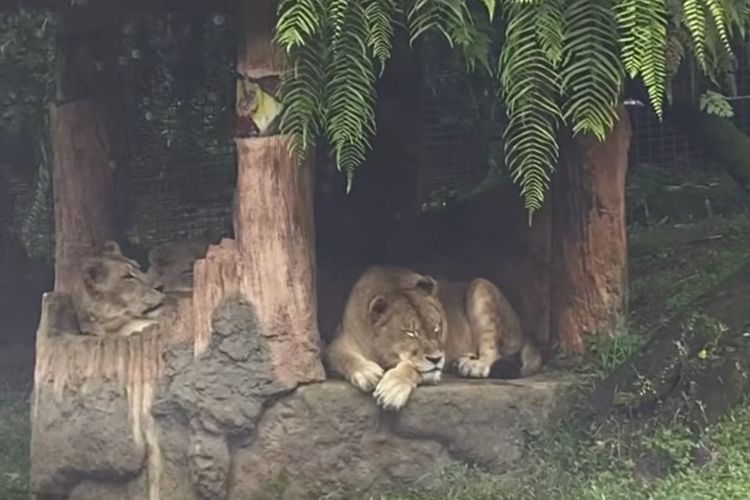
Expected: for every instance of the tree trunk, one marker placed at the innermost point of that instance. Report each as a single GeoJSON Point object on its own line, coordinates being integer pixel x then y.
{"type": "Point", "coordinates": [275, 238]}
{"type": "Point", "coordinates": [589, 243]}
{"type": "Point", "coordinates": [82, 139]}
{"type": "Point", "coordinates": [274, 256]}
{"type": "Point", "coordinates": [82, 187]}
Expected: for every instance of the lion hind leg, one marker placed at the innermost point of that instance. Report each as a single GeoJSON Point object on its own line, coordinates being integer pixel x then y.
{"type": "Point", "coordinates": [485, 322]}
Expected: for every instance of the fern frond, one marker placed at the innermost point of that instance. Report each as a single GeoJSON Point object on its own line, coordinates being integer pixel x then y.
{"type": "Point", "coordinates": [349, 92]}
{"type": "Point", "coordinates": [591, 73]}
{"type": "Point", "coordinates": [529, 87]}
{"type": "Point", "coordinates": [716, 9]}
{"type": "Point", "coordinates": [643, 40]}
{"type": "Point", "coordinates": [301, 92]}
{"type": "Point", "coordinates": [550, 26]}
{"type": "Point", "coordinates": [454, 20]}
{"type": "Point", "coordinates": [694, 19]}
{"type": "Point", "coordinates": [298, 20]}
{"type": "Point", "coordinates": [380, 14]}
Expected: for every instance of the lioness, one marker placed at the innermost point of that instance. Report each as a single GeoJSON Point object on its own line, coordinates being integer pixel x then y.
{"type": "Point", "coordinates": [401, 328]}
{"type": "Point", "coordinates": [171, 264]}
{"type": "Point", "coordinates": [113, 296]}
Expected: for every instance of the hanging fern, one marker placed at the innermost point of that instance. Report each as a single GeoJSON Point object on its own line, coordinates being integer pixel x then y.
{"type": "Point", "coordinates": [562, 61]}
{"type": "Point", "coordinates": [643, 24]}
{"type": "Point", "coordinates": [592, 74]}
{"type": "Point", "coordinates": [529, 87]}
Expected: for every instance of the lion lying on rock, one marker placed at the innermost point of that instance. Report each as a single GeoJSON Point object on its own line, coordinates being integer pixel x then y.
{"type": "Point", "coordinates": [113, 296]}
{"type": "Point", "coordinates": [401, 329]}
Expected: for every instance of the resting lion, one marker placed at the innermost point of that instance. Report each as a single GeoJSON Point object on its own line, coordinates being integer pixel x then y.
{"type": "Point", "coordinates": [400, 329]}
{"type": "Point", "coordinates": [171, 264]}
{"type": "Point", "coordinates": [113, 296]}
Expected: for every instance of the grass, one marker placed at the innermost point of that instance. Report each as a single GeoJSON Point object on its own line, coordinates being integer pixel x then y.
{"type": "Point", "coordinates": [15, 383]}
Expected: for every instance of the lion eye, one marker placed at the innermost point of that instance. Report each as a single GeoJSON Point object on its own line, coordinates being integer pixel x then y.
{"type": "Point", "coordinates": [411, 333]}
{"type": "Point", "coordinates": [436, 329]}
{"type": "Point", "coordinates": [129, 276]}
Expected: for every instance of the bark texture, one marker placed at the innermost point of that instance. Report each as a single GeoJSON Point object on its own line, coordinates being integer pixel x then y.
{"type": "Point", "coordinates": [589, 242]}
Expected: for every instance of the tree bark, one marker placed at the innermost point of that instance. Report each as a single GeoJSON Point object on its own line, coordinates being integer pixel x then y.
{"type": "Point", "coordinates": [82, 139]}
{"type": "Point", "coordinates": [275, 239]}
{"type": "Point", "coordinates": [82, 187]}
{"type": "Point", "coordinates": [272, 262]}
{"type": "Point", "coordinates": [589, 243]}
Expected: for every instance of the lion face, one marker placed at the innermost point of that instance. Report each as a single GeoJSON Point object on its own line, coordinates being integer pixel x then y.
{"type": "Point", "coordinates": [116, 297]}
{"type": "Point", "coordinates": [409, 326]}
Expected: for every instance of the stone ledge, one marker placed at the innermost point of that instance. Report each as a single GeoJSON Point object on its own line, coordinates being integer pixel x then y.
{"type": "Point", "coordinates": [330, 437]}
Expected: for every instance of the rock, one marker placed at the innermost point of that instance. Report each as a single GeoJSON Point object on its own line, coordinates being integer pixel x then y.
{"type": "Point", "coordinates": [85, 434]}
{"type": "Point", "coordinates": [329, 437]}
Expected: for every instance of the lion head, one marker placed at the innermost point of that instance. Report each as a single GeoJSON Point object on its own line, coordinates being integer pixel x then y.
{"type": "Point", "coordinates": [113, 296]}
{"type": "Point", "coordinates": [171, 264]}
{"type": "Point", "coordinates": [409, 325]}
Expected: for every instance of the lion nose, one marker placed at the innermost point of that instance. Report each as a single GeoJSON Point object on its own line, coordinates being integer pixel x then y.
{"type": "Point", "coordinates": [435, 360]}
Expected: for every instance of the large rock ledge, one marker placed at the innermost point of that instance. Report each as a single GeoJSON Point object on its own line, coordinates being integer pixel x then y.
{"type": "Point", "coordinates": [330, 437]}
{"type": "Point", "coordinates": [219, 427]}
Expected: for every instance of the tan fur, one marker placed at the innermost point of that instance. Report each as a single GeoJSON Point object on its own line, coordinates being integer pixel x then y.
{"type": "Point", "coordinates": [483, 328]}
{"type": "Point", "coordinates": [397, 322]}
{"type": "Point", "coordinates": [171, 264]}
{"type": "Point", "coordinates": [392, 335]}
{"type": "Point", "coordinates": [113, 296]}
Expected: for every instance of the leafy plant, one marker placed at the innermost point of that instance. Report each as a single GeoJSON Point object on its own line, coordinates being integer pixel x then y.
{"type": "Point", "coordinates": [558, 64]}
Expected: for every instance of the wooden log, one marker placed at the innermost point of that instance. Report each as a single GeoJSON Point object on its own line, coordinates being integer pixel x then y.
{"type": "Point", "coordinates": [589, 242]}
{"type": "Point", "coordinates": [275, 240]}
{"type": "Point", "coordinates": [214, 278]}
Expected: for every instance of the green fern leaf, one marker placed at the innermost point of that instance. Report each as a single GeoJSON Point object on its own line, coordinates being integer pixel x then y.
{"type": "Point", "coordinates": [694, 18]}
{"type": "Point", "coordinates": [529, 86]}
{"type": "Point", "coordinates": [591, 73]}
{"type": "Point", "coordinates": [349, 92]}
{"type": "Point", "coordinates": [380, 15]}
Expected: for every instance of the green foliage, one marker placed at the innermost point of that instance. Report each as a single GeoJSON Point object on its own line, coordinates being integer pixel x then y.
{"type": "Point", "coordinates": [716, 104]}
{"type": "Point", "coordinates": [27, 57]}
{"type": "Point", "coordinates": [530, 84]}
{"type": "Point", "coordinates": [560, 63]}
{"type": "Point", "coordinates": [644, 41]}
{"type": "Point", "coordinates": [604, 353]}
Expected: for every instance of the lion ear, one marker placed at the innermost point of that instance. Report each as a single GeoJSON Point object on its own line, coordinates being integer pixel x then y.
{"type": "Point", "coordinates": [111, 248]}
{"type": "Point", "coordinates": [428, 285]}
{"type": "Point", "coordinates": [378, 306]}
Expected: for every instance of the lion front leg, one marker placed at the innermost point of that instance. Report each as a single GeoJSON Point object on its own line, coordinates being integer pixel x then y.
{"type": "Point", "coordinates": [394, 389]}
{"type": "Point", "coordinates": [484, 318]}
{"type": "Point", "coordinates": [354, 367]}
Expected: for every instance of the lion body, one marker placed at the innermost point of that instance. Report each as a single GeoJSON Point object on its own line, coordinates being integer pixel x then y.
{"type": "Point", "coordinates": [401, 328]}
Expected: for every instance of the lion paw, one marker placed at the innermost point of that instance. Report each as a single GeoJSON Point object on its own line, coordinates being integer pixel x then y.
{"type": "Point", "coordinates": [392, 391]}
{"type": "Point", "coordinates": [469, 366]}
{"type": "Point", "coordinates": [367, 377]}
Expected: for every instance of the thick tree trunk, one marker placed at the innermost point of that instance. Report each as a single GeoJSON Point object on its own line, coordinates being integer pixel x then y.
{"type": "Point", "coordinates": [275, 238]}
{"type": "Point", "coordinates": [82, 138]}
{"type": "Point", "coordinates": [82, 186]}
{"type": "Point", "coordinates": [589, 244]}
{"type": "Point", "coordinates": [273, 255]}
